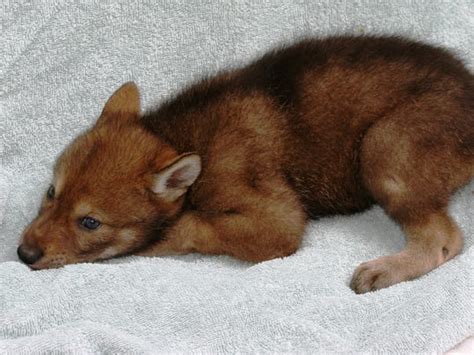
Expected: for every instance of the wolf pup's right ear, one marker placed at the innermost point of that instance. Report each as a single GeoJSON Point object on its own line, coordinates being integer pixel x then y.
{"type": "Point", "coordinates": [173, 181]}
{"type": "Point", "coordinates": [123, 105]}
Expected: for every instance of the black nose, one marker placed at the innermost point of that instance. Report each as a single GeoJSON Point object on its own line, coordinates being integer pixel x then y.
{"type": "Point", "coordinates": [29, 255]}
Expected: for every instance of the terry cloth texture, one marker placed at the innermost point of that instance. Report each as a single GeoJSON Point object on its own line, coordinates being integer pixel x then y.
{"type": "Point", "coordinates": [60, 60]}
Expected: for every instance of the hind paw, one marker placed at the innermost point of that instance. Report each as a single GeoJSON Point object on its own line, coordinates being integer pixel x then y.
{"type": "Point", "coordinates": [376, 274]}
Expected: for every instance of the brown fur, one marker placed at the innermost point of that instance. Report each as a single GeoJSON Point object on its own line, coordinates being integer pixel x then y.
{"type": "Point", "coordinates": [321, 127]}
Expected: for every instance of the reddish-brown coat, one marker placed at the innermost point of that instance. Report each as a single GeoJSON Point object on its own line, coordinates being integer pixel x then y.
{"type": "Point", "coordinates": [321, 127]}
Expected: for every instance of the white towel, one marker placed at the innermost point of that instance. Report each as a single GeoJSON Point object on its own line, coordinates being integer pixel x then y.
{"type": "Point", "coordinates": [60, 60]}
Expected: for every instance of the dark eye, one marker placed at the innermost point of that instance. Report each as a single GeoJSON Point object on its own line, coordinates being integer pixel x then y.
{"type": "Point", "coordinates": [50, 193]}
{"type": "Point", "coordinates": [89, 223]}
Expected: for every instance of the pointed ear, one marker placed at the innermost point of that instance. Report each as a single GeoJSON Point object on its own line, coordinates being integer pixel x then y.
{"type": "Point", "coordinates": [123, 104]}
{"type": "Point", "coordinates": [174, 180]}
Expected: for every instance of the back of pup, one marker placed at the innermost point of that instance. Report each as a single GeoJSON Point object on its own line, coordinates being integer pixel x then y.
{"type": "Point", "coordinates": [335, 91]}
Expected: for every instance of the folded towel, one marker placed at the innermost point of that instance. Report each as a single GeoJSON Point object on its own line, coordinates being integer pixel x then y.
{"type": "Point", "coordinates": [59, 63]}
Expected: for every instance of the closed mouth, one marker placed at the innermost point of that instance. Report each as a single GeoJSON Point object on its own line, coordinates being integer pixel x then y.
{"type": "Point", "coordinates": [43, 266]}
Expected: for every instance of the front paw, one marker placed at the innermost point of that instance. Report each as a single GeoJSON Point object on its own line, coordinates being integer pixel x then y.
{"type": "Point", "coordinates": [376, 274]}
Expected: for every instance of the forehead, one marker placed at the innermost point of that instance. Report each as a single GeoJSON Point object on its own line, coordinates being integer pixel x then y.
{"type": "Point", "coordinates": [99, 159]}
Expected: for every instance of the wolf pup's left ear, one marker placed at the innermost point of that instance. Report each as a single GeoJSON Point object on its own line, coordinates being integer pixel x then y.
{"type": "Point", "coordinates": [174, 180]}
{"type": "Point", "coordinates": [124, 104]}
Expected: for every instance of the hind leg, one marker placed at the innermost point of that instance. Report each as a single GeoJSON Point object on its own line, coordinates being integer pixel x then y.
{"type": "Point", "coordinates": [412, 181]}
{"type": "Point", "coordinates": [430, 242]}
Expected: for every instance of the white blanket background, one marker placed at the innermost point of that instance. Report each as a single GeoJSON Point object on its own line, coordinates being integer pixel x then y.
{"type": "Point", "coordinates": [60, 60]}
